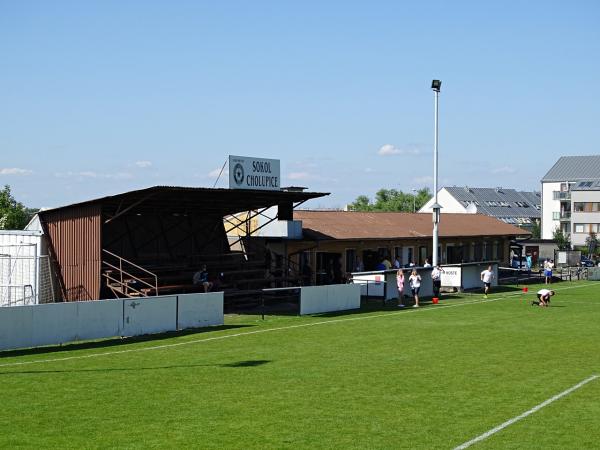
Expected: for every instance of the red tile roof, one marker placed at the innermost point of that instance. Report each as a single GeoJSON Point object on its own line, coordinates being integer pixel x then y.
{"type": "Point", "coordinates": [395, 225]}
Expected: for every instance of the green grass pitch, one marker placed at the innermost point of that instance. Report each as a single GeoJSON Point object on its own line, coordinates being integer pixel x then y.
{"type": "Point", "coordinates": [381, 378]}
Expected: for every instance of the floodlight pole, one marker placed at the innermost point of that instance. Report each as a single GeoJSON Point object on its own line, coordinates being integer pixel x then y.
{"type": "Point", "coordinates": [435, 85]}
{"type": "Point", "coordinates": [414, 200]}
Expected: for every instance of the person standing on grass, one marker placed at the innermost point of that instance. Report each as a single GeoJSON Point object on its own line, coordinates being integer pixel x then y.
{"type": "Point", "coordinates": [436, 277]}
{"type": "Point", "coordinates": [487, 276]}
{"type": "Point", "coordinates": [548, 265]}
{"type": "Point", "coordinates": [543, 296]}
{"type": "Point", "coordinates": [400, 284]}
{"type": "Point", "coordinates": [415, 285]}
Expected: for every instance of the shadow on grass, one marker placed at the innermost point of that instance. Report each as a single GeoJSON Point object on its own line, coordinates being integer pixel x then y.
{"type": "Point", "coordinates": [237, 364]}
{"type": "Point", "coordinates": [115, 342]}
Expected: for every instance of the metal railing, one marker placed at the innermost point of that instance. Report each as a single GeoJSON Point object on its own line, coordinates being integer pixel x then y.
{"type": "Point", "coordinates": [561, 195]}
{"type": "Point", "coordinates": [126, 282]}
{"type": "Point", "coordinates": [16, 294]}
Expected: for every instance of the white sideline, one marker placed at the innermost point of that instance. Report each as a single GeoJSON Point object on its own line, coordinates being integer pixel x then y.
{"type": "Point", "coordinates": [268, 330]}
{"type": "Point", "coordinates": [487, 434]}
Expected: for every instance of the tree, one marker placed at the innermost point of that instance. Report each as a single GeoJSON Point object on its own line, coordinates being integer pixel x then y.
{"type": "Point", "coordinates": [391, 200]}
{"type": "Point", "coordinates": [592, 243]}
{"type": "Point", "coordinates": [562, 241]}
{"type": "Point", "coordinates": [13, 215]}
{"type": "Point", "coordinates": [536, 230]}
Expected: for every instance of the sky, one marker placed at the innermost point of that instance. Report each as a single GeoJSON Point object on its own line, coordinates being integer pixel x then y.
{"type": "Point", "coordinates": [99, 98]}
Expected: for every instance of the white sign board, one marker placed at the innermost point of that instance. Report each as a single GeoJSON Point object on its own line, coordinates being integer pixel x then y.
{"type": "Point", "coordinates": [246, 172]}
{"type": "Point", "coordinates": [451, 277]}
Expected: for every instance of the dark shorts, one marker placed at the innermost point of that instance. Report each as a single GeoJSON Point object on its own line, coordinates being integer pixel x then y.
{"type": "Point", "coordinates": [488, 285]}
{"type": "Point", "coordinates": [415, 291]}
{"type": "Point", "coordinates": [547, 300]}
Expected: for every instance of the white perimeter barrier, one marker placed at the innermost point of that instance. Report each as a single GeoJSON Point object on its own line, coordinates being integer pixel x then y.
{"type": "Point", "coordinates": [334, 297]}
{"type": "Point", "coordinates": [471, 275]}
{"type": "Point", "coordinates": [594, 273]}
{"type": "Point", "coordinates": [200, 310]}
{"type": "Point", "coordinates": [149, 315]}
{"type": "Point", "coordinates": [383, 283]}
{"type": "Point", "coordinates": [57, 323]}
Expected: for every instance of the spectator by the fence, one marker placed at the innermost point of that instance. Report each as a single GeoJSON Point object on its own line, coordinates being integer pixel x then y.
{"type": "Point", "coordinates": [436, 278]}
{"type": "Point", "coordinates": [548, 265]}
{"type": "Point", "coordinates": [201, 278]}
{"type": "Point", "coordinates": [415, 285]}
{"type": "Point", "coordinates": [400, 285]}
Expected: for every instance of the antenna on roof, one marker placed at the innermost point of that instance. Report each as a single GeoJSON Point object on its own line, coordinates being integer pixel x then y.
{"type": "Point", "coordinates": [217, 180]}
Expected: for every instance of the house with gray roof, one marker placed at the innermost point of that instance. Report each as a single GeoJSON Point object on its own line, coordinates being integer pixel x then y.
{"type": "Point", "coordinates": [520, 208]}
{"type": "Point", "coordinates": [571, 198]}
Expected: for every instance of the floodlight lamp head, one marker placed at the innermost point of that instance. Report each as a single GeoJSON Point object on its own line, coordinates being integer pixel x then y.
{"type": "Point", "coordinates": [436, 85]}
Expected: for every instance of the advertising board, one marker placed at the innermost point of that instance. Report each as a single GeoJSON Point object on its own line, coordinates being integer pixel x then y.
{"type": "Point", "coordinates": [247, 172]}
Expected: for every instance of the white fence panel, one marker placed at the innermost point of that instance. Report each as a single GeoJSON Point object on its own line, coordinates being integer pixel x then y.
{"type": "Point", "coordinates": [54, 323]}
{"type": "Point", "coordinates": [335, 297]}
{"type": "Point", "coordinates": [149, 315]}
{"type": "Point", "coordinates": [99, 319]}
{"type": "Point", "coordinates": [200, 310]}
{"type": "Point", "coordinates": [594, 273]}
{"type": "Point", "coordinates": [16, 324]}
{"type": "Point", "coordinates": [471, 275]}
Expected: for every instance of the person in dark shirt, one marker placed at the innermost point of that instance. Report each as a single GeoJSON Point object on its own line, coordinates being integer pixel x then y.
{"type": "Point", "coordinates": [201, 278]}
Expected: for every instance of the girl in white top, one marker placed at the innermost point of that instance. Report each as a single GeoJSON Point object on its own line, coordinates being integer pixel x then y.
{"type": "Point", "coordinates": [415, 284]}
{"type": "Point", "coordinates": [400, 284]}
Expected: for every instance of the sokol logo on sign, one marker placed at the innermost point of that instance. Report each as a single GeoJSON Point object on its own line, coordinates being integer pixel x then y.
{"type": "Point", "coordinates": [253, 173]}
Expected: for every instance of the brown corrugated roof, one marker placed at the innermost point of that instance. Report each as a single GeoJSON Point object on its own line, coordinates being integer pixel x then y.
{"type": "Point", "coordinates": [325, 225]}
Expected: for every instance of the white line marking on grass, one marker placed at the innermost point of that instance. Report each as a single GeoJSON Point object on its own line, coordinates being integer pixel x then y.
{"type": "Point", "coordinates": [487, 434]}
{"type": "Point", "coordinates": [268, 330]}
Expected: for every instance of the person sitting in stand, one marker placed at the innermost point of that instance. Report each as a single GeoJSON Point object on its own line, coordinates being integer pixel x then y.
{"type": "Point", "coordinates": [543, 296]}
{"type": "Point", "coordinates": [201, 278]}
{"type": "Point", "coordinates": [381, 265]}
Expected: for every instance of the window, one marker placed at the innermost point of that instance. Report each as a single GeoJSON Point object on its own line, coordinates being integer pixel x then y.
{"type": "Point", "coordinates": [410, 257]}
{"type": "Point", "coordinates": [579, 228]}
{"type": "Point", "coordinates": [398, 254]}
{"type": "Point", "coordinates": [556, 215]}
{"type": "Point", "coordinates": [586, 206]}
{"type": "Point", "coordinates": [350, 260]}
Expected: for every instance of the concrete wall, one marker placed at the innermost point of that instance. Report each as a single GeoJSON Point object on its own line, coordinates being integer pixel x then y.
{"type": "Point", "coordinates": [549, 205]}
{"type": "Point", "coordinates": [200, 310]}
{"type": "Point", "coordinates": [383, 283]}
{"type": "Point", "coordinates": [149, 315]}
{"type": "Point", "coordinates": [333, 297]}
{"type": "Point", "coordinates": [471, 275]}
{"type": "Point", "coordinates": [57, 323]}
{"type": "Point", "coordinates": [583, 217]}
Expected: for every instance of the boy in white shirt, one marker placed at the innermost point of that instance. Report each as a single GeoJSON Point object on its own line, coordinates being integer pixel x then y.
{"type": "Point", "coordinates": [543, 296]}
{"type": "Point", "coordinates": [487, 276]}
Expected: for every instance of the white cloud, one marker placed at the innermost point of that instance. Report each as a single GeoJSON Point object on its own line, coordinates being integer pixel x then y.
{"type": "Point", "coordinates": [369, 170]}
{"type": "Point", "coordinates": [215, 173]}
{"type": "Point", "coordinates": [390, 150]}
{"type": "Point", "coordinates": [15, 171]}
{"type": "Point", "coordinates": [504, 169]}
{"type": "Point", "coordinates": [91, 174]}
{"type": "Point", "coordinates": [143, 164]}
{"type": "Point", "coordinates": [423, 180]}
{"type": "Point", "coordinates": [299, 176]}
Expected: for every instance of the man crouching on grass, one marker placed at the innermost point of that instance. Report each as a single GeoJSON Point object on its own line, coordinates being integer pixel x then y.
{"type": "Point", "coordinates": [543, 296]}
